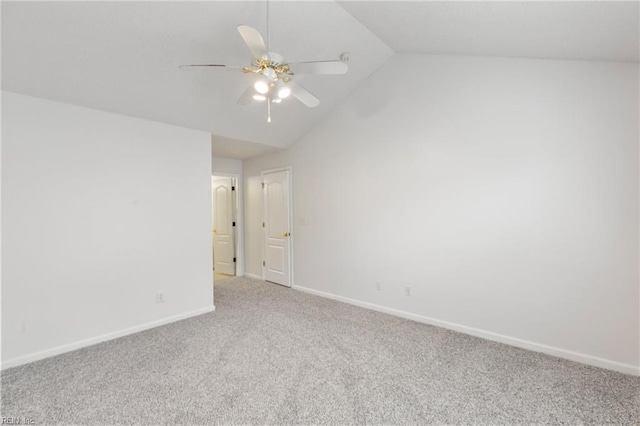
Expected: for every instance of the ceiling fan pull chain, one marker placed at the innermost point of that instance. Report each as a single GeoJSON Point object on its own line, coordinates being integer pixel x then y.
{"type": "Point", "coordinates": [269, 108]}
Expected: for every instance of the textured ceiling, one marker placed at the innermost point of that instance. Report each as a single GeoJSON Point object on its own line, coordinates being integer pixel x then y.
{"type": "Point", "coordinates": [123, 57]}
{"type": "Point", "coordinates": [582, 30]}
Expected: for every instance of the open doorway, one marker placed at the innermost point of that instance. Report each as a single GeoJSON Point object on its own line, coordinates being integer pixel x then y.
{"type": "Point", "coordinates": [224, 199]}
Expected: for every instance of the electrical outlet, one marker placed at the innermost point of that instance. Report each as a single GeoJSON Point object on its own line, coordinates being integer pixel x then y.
{"type": "Point", "coordinates": [378, 286]}
{"type": "Point", "coordinates": [159, 297]}
{"type": "Point", "coordinates": [407, 291]}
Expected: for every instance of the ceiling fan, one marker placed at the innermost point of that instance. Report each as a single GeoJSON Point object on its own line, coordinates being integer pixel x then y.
{"type": "Point", "coordinates": [274, 77]}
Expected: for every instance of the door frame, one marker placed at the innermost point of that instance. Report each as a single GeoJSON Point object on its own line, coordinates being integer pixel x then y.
{"type": "Point", "coordinates": [290, 201]}
{"type": "Point", "coordinates": [239, 243]}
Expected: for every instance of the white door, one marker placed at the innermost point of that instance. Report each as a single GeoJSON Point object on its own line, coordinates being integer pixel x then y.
{"type": "Point", "coordinates": [223, 229]}
{"type": "Point", "coordinates": [277, 227]}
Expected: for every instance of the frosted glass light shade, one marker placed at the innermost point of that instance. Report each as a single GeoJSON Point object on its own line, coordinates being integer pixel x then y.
{"type": "Point", "coordinates": [261, 87]}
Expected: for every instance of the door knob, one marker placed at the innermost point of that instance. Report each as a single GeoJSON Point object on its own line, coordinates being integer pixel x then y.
{"type": "Point", "coordinates": [215, 231]}
{"type": "Point", "coordinates": [286, 234]}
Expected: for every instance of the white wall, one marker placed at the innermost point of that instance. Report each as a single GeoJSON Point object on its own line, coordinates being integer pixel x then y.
{"type": "Point", "coordinates": [100, 211]}
{"type": "Point", "coordinates": [226, 165]}
{"type": "Point", "coordinates": [504, 192]}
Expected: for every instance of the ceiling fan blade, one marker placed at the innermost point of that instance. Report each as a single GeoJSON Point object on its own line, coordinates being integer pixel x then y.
{"type": "Point", "coordinates": [184, 67]}
{"type": "Point", "coordinates": [254, 41]}
{"type": "Point", "coordinates": [319, 67]}
{"type": "Point", "coordinates": [303, 95]}
{"type": "Point", "coordinates": [247, 96]}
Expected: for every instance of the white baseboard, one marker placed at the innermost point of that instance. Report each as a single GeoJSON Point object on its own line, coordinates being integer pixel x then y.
{"type": "Point", "coordinates": [13, 362]}
{"type": "Point", "coordinates": [513, 341]}
{"type": "Point", "coordinates": [255, 277]}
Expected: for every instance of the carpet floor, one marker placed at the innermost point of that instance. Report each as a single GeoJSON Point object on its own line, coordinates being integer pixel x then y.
{"type": "Point", "coordinates": [272, 355]}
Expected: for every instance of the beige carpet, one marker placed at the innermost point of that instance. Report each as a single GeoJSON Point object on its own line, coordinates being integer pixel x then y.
{"type": "Point", "coordinates": [272, 355]}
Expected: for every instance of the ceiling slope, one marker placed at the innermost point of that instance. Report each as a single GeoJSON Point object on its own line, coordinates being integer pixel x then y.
{"type": "Point", "coordinates": [238, 149]}
{"type": "Point", "coordinates": [574, 30]}
{"type": "Point", "coordinates": [123, 57]}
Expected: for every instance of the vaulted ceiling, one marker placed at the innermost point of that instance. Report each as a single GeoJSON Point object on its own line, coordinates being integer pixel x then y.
{"type": "Point", "coordinates": [123, 57]}
{"type": "Point", "coordinates": [570, 30]}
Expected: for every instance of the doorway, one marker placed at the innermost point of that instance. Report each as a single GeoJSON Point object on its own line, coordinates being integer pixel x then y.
{"type": "Point", "coordinates": [224, 203]}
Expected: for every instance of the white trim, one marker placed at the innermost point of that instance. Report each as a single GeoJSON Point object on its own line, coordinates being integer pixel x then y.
{"type": "Point", "coordinates": [13, 362]}
{"type": "Point", "coordinates": [222, 174]}
{"type": "Point", "coordinates": [253, 276]}
{"type": "Point", "coordinates": [512, 341]}
{"type": "Point", "coordinates": [277, 169]}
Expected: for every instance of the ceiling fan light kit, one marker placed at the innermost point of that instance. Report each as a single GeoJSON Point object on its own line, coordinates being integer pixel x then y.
{"type": "Point", "coordinates": [261, 87]}
{"type": "Point", "coordinates": [284, 92]}
{"type": "Point", "coordinates": [275, 76]}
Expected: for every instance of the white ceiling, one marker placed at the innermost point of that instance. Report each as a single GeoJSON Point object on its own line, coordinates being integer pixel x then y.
{"type": "Point", "coordinates": [235, 148]}
{"type": "Point", "coordinates": [582, 30]}
{"type": "Point", "coordinates": [123, 57]}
